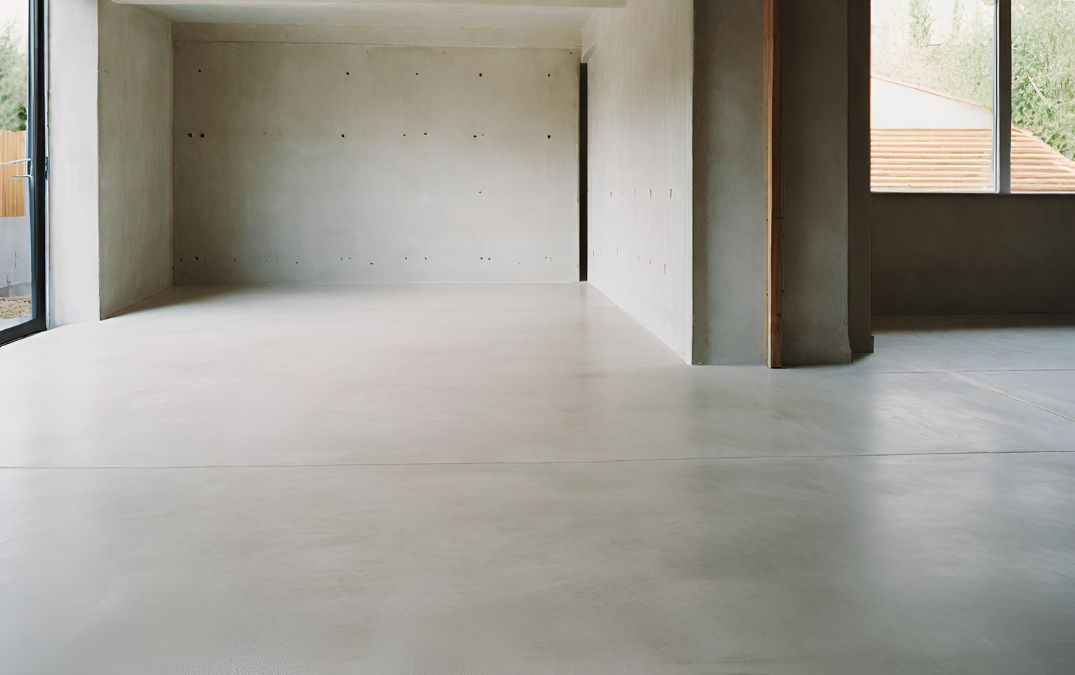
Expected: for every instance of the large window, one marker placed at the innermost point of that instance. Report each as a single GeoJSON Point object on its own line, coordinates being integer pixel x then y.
{"type": "Point", "coordinates": [1043, 95]}
{"type": "Point", "coordinates": [941, 95]}
{"type": "Point", "coordinates": [932, 95]}
{"type": "Point", "coordinates": [22, 155]}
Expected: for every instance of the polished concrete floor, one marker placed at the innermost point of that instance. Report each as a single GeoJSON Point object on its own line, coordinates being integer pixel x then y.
{"type": "Point", "coordinates": [523, 480]}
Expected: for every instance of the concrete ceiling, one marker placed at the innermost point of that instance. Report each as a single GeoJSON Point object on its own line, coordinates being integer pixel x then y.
{"type": "Point", "coordinates": [571, 14]}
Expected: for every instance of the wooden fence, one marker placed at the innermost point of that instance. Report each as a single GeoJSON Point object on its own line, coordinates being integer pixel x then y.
{"type": "Point", "coordinates": [12, 192]}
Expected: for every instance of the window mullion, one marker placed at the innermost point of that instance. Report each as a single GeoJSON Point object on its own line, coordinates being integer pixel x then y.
{"type": "Point", "coordinates": [1002, 99]}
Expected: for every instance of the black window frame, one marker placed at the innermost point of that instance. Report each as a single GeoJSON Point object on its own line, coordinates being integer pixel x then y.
{"type": "Point", "coordinates": [37, 169]}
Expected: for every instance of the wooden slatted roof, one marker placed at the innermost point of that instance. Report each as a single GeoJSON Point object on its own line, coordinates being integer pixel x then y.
{"type": "Point", "coordinates": [948, 160]}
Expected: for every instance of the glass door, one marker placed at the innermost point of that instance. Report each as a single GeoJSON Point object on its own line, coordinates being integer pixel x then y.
{"type": "Point", "coordinates": [22, 169]}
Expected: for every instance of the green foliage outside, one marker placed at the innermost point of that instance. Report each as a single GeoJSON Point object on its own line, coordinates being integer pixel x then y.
{"type": "Point", "coordinates": [1043, 71]}
{"type": "Point", "coordinates": [13, 80]}
{"type": "Point", "coordinates": [954, 55]}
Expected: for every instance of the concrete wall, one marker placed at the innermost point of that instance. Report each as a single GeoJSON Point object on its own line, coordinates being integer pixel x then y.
{"type": "Point", "coordinates": [16, 265]}
{"type": "Point", "coordinates": [729, 183]}
{"type": "Point", "coordinates": [815, 115]}
{"type": "Point", "coordinates": [640, 106]}
{"type": "Point", "coordinates": [973, 254]}
{"type": "Point", "coordinates": [135, 126]}
{"type": "Point", "coordinates": [320, 161]}
{"type": "Point", "coordinates": [109, 158]}
{"type": "Point", "coordinates": [74, 291]}
{"type": "Point", "coordinates": [859, 302]}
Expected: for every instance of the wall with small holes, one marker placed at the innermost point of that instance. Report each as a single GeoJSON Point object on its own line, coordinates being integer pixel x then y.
{"type": "Point", "coordinates": [305, 162]}
{"type": "Point", "coordinates": [640, 65]}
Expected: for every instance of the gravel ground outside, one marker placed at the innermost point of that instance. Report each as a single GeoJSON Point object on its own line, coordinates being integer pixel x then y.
{"type": "Point", "coordinates": [15, 308]}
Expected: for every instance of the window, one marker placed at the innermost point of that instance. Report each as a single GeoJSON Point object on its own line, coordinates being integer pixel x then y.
{"type": "Point", "coordinates": [941, 100]}
{"type": "Point", "coordinates": [932, 95]}
{"type": "Point", "coordinates": [1043, 95]}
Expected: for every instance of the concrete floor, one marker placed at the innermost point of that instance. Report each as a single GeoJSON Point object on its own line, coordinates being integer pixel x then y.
{"type": "Point", "coordinates": [522, 480]}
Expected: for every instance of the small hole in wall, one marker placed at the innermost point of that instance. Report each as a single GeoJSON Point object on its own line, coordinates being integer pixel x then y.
{"type": "Point", "coordinates": [343, 135]}
{"type": "Point", "coordinates": [549, 136]}
{"type": "Point", "coordinates": [550, 74]}
{"type": "Point", "coordinates": [480, 74]}
{"type": "Point", "coordinates": [190, 135]}
{"type": "Point", "coordinates": [348, 72]}
{"type": "Point", "coordinates": [199, 70]}
{"type": "Point", "coordinates": [201, 135]}
{"type": "Point", "coordinates": [197, 258]}
{"type": "Point", "coordinates": [426, 133]}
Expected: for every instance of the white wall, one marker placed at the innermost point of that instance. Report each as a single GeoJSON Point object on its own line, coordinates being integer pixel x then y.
{"type": "Point", "coordinates": [135, 126]}
{"type": "Point", "coordinates": [640, 221]}
{"type": "Point", "coordinates": [322, 161]}
{"type": "Point", "coordinates": [74, 293]}
{"type": "Point", "coordinates": [110, 158]}
{"type": "Point", "coordinates": [900, 106]}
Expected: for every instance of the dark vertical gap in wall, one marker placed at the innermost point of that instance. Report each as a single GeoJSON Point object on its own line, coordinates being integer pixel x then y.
{"type": "Point", "coordinates": [584, 255]}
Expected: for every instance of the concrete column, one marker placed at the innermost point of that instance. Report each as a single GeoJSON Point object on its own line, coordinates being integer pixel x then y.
{"type": "Point", "coordinates": [729, 183]}
{"type": "Point", "coordinates": [815, 134]}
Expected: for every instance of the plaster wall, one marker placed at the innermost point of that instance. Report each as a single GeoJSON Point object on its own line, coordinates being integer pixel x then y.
{"type": "Point", "coordinates": [329, 161]}
{"type": "Point", "coordinates": [729, 183]}
{"type": "Point", "coordinates": [135, 116]}
{"type": "Point", "coordinates": [640, 173]}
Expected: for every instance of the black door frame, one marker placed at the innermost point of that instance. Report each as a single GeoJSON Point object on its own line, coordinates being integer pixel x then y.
{"type": "Point", "coordinates": [38, 171]}
{"type": "Point", "coordinates": [584, 151]}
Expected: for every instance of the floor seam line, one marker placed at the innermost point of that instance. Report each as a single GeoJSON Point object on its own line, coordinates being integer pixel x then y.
{"type": "Point", "coordinates": [1006, 395]}
{"type": "Point", "coordinates": [641, 460]}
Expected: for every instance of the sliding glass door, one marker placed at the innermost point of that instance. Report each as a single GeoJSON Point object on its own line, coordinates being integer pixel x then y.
{"type": "Point", "coordinates": [22, 169]}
